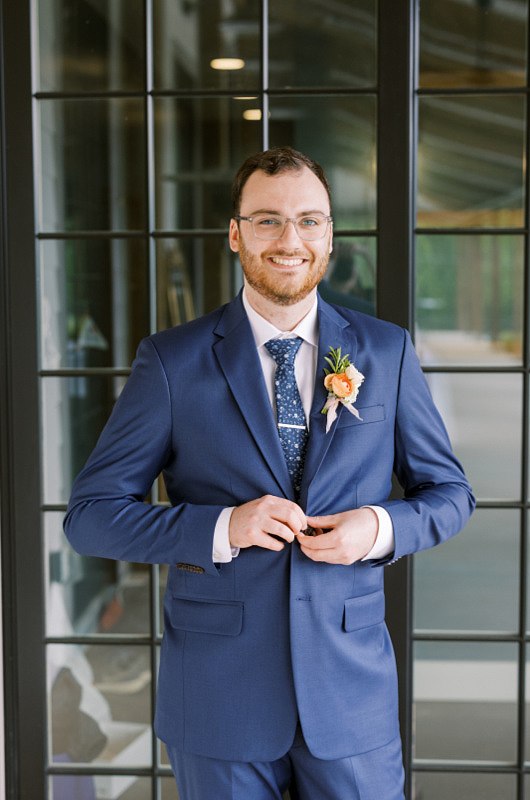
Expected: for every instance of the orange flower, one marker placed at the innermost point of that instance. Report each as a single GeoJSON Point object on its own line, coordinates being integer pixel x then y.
{"type": "Point", "coordinates": [339, 384]}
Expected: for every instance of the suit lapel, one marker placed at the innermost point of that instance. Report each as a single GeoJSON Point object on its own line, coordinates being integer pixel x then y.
{"type": "Point", "coordinates": [239, 361]}
{"type": "Point", "coordinates": [334, 331]}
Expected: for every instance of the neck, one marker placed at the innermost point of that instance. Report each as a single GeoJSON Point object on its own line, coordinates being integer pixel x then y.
{"type": "Point", "coordinates": [285, 318]}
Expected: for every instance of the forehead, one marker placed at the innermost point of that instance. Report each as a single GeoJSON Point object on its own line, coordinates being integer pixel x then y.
{"type": "Point", "coordinates": [288, 192]}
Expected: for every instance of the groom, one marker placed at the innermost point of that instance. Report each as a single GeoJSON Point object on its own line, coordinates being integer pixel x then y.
{"type": "Point", "coordinates": [276, 664]}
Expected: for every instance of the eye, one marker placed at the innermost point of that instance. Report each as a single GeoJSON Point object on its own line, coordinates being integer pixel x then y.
{"type": "Point", "coordinates": [267, 222]}
{"type": "Point", "coordinates": [310, 222]}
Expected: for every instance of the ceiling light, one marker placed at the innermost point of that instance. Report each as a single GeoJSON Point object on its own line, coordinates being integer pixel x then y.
{"type": "Point", "coordinates": [227, 63]}
{"type": "Point", "coordinates": [252, 114]}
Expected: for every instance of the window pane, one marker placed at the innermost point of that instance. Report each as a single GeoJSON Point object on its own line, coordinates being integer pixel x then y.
{"type": "Point", "coordinates": [469, 299]}
{"type": "Point", "coordinates": [527, 725]}
{"type": "Point", "coordinates": [472, 581]}
{"type": "Point", "coordinates": [124, 787]}
{"type": "Point", "coordinates": [94, 302]}
{"type": "Point", "coordinates": [189, 36]}
{"type": "Point", "coordinates": [100, 704]}
{"type": "Point", "coordinates": [168, 789]}
{"type": "Point", "coordinates": [91, 595]}
{"type": "Point", "coordinates": [87, 46]}
{"type": "Point", "coordinates": [473, 44]}
{"type": "Point", "coordinates": [162, 575]}
{"type": "Point", "coordinates": [464, 786]}
{"type": "Point", "coordinates": [483, 414]}
{"type": "Point", "coordinates": [471, 161]}
{"type": "Point", "coordinates": [465, 695]}
{"type": "Point", "coordinates": [322, 38]}
{"type": "Point", "coordinates": [200, 144]}
{"type": "Point", "coordinates": [195, 276]}
{"type": "Point", "coordinates": [339, 133]}
{"type": "Point", "coordinates": [91, 156]}
{"type": "Point", "coordinates": [351, 277]}
{"type": "Point", "coordinates": [74, 411]}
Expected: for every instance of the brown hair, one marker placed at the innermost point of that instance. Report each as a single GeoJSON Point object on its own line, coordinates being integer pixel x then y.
{"type": "Point", "coordinates": [273, 162]}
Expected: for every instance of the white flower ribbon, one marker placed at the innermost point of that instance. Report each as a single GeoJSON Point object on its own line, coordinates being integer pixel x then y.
{"type": "Point", "coordinates": [330, 409]}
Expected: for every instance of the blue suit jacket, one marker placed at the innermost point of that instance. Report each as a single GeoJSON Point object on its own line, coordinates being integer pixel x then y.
{"type": "Point", "coordinates": [251, 644]}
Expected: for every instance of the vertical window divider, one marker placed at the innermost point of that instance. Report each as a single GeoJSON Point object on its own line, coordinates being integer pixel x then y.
{"type": "Point", "coordinates": [523, 570]}
{"type": "Point", "coordinates": [153, 313]}
{"type": "Point", "coordinates": [396, 139]}
{"type": "Point", "coordinates": [264, 73]}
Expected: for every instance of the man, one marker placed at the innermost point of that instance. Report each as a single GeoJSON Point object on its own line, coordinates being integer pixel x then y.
{"type": "Point", "coordinates": [276, 663]}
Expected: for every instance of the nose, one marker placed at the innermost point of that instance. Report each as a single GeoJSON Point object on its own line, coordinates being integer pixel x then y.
{"type": "Point", "coordinates": [290, 233]}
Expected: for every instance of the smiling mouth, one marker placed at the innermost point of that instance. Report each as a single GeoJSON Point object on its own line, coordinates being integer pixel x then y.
{"type": "Point", "coordinates": [287, 262]}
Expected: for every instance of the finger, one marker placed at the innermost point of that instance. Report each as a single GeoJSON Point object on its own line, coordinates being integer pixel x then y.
{"type": "Point", "coordinates": [268, 542]}
{"type": "Point", "coordinates": [292, 516]}
{"type": "Point", "coordinates": [328, 556]}
{"type": "Point", "coordinates": [276, 528]}
{"type": "Point", "coordinates": [322, 541]}
{"type": "Point", "coordinates": [328, 521]}
{"type": "Point", "coordinates": [332, 556]}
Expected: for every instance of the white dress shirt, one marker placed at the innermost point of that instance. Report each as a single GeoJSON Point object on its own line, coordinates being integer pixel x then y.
{"type": "Point", "coordinates": [305, 371]}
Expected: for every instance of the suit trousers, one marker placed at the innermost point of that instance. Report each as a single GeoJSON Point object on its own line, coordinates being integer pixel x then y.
{"type": "Point", "coordinates": [375, 775]}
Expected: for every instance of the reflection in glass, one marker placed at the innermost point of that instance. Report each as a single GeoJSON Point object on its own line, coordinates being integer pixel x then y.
{"type": "Point", "coordinates": [472, 404]}
{"type": "Point", "coordinates": [351, 277]}
{"type": "Point", "coordinates": [100, 704]}
{"type": "Point", "coordinates": [469, 299]}
{"type": "Point", "coordinates": [189, 36]}
{"type": "Point", "coordinates": [471, 786]}
{"type": "Point", "coordinates": [74, 411]}
{"type": "Point", "coordinates": [91, 595]}
{"type": "Point", "coordinates": [339, 133]}
{"type": "Point", "coordinates": [471, 161]}
{"type": "Point", "coordinates": [478, 44]}
{"type": "Point", "coordinates": [200, 144]}
{"type": "Point", "coordinates": [92, 164]}
{"type": "Point", "coordinates": [195, 276]}
{"type": "Point", "coordinates": [94, 302]}
{"type": "Point", "coordinates": [322, 38]}
{"type": "Point", "coordinates": [465, 701]}
{"type": "Point", "coordinates": [472, 581]}
{"type": "Point", "coordinates": [87, 46]}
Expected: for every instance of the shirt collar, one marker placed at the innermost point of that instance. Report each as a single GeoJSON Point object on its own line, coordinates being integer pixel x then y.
{"type": "Point", "coordinates": [263, 330]}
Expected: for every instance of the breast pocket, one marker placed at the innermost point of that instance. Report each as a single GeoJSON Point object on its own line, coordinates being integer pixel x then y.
{"type": "Point", "coordinates": [368, 414]}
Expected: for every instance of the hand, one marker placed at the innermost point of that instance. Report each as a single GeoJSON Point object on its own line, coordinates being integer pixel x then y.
{"type": "Point", "coordinates": [253, 523]}
{"type": "Point", "coordinates": [348, 537]}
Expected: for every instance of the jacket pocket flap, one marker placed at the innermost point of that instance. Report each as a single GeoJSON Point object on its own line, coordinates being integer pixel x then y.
{"type": "Point", "coordinates": [207, 616]}
{"type": "Point", "coordinates": [367, 414]}
{"type": "Point", "coordinates": [361, 612]}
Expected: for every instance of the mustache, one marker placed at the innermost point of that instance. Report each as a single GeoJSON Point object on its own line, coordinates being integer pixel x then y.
{"type": "Point", "coordinates": [282, 253]}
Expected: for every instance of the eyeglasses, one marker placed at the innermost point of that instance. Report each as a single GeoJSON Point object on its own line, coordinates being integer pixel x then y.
{"type": "Point", "coordinates": [272, 226]}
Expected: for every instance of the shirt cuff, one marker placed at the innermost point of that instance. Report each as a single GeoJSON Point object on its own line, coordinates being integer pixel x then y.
{"type": "Point", "coordinates": [384, 544]}
{"type": "Point", "coordinates": [223, 553]}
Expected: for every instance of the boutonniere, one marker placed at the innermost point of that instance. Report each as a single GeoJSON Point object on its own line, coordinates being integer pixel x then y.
{"type": "Point", "coordinates": [342, 382]}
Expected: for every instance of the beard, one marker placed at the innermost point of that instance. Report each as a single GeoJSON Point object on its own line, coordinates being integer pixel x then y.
{"type": "Point", "coordinates": [284, 290]}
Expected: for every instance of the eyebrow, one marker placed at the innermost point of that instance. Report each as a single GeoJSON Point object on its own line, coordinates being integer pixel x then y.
{"type": "Point", "coordinates": [279, 214]}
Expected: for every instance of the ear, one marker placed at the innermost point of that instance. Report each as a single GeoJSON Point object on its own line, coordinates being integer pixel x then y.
{"type": "Point", "coordinates": [331, 237]}
{"type": "Point", "coordinates": [233, 236]}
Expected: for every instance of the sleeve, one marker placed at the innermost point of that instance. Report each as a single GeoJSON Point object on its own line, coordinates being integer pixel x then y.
{"type": "Point", "coordinates": [223, 553]}
{"type": "Point", "coordinates": [107, 515]}
{"type": "Point", "coordinates": [437, 498]}
{"type": "Point", "coordinates": [384, 544]}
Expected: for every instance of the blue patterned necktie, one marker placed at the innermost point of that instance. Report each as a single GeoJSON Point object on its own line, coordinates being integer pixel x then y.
{"type": "Point", "coordinates": [292, 427]}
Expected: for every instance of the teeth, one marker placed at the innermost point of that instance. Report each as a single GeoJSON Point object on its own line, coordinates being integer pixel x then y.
{"type": "Point", "coordinates": [288, 262]}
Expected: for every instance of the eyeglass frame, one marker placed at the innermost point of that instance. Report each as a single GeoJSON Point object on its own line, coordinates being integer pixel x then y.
{"type": "Point", "coordinates": [294, 220]}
